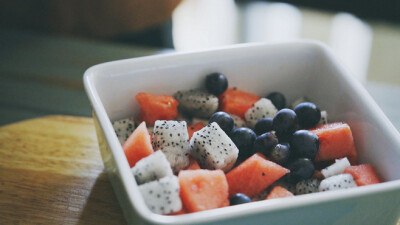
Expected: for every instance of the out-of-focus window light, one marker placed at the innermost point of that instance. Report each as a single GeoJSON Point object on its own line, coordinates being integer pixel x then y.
{"type": "Point", "coordinates": [202, 24]}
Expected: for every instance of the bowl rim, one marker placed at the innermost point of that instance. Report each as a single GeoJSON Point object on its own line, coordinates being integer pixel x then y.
{"type": "Point", "coordinates": [239, 210]}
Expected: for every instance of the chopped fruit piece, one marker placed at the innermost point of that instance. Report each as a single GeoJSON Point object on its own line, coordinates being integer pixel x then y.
{"type": "Point", "coordinates": [335, 141]}
{"type": "Point", "coordinates": [156, 107]}
{"type": "Point", "coordinates": [237, 102]}
{"type": "Point", "coordinates": [279, 192]}
{"type": "Point", "coordinates": [363, 174]}
{"type": "Point", "coordinates": [138, 145]}
{"type": "Point", "coordinates": [203, 189]}
{"type": "Point", "coordinates": [256, 173]}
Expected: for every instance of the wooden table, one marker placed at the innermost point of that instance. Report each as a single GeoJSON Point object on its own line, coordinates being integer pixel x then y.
{"type": "Point", "coordinates": [51, 173]}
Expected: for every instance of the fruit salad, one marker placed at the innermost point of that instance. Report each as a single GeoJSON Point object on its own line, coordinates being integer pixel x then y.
{"type": "Point", "coordinates": [221, 146]}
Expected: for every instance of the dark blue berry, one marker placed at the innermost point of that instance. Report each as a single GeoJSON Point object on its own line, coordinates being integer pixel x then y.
{"type": "Point", "coordinates": [278, 99]}
{"type": "Point", "coordinates": [239, 198]}
{"type": "Point", "coordinates": [285, 123]}
{"type": "Point", "coordinates": [263, 126]}
{"type": "Point", "coordinates": [280, 154]}
{"type": "Point", "coordinates": [265, 143]}
{"type": "Point", "coordinates": [216, 83]}
{"type": "Point", "coordinates": [305, 144]}
{"type": "Point", "coordinates": [308, 114]}
{"type": "Point", "coordinates": [224, 121]}
{"type": "Point", "coordinates": [244, 140]}
{"type": "Point", "coordinates": [300, 169]}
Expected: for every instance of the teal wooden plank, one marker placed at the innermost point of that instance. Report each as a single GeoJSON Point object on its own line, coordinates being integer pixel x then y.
{"type": "Point", "coordinates": [43, 97]}
{"type": "Point", "coordinates": [41, 55]}
{"type": "Point", "coordinates": [11, 115]}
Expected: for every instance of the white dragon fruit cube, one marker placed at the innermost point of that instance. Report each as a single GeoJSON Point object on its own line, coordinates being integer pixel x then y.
{"type": "Point", "coordinates": [238, 121]}
{"type": "Point", "coordinates": [197, 103]}
{"type": "Point", "coordinates": [152, 167]}
{"type": "Point", "coordinates": [173, 139]}
{"type": "Point", "coordinates": [307, 186]}
{"type": "Point", "coordinates": [337, 182]}
{"type": "Point", "coordinates": [123, 128]}
{"type": "Point", "coordinates": [213, 149]}
{"type": "Point", "coordinates": [324, 118]}
{"type": "Point", "coordinates": [162, 196]}
{"type": "Point", "coordinates": [263, 108]}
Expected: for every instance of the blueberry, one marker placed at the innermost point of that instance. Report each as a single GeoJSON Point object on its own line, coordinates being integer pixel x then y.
{"type": "Point", "coordinates": [244, 140]}
{"type": "Point", "coordinates": [216, 83]}
{"type": "Point", "coordinates": [308, 114]}
{"type": "Point", "coordinates": [305, 144]}
{"type": "Point", "coordinates": [280, 154]}
{"type": "Point", "coordinates": [224, 120]}
{"type": "Point", "coordinates": [265, 143]}
{"type": "Point", "coordinates": [285, 123]}
{"type": "Point", "coordinates": [278, 99]}
{"type": "Point", "coordinates": [263, 126]}
{"type": "Point", "coordinates": [239, 198]}
{"type": "Point", "coordinates": [300, 169]}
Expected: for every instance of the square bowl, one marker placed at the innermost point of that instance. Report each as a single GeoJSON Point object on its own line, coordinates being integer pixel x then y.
{"type": "Point", "coordinates": [303, 68]}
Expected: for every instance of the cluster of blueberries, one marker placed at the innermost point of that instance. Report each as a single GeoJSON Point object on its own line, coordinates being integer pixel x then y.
{"type": "Point", "coordinates": [283, 139]}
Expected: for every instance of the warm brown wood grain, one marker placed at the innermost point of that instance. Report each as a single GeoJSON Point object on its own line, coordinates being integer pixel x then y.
{"type": "Point", "coordinates": [51, 173]}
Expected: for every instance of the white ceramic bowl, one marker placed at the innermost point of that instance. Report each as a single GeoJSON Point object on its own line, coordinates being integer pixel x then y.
{"type": "Point", "coordinates": [296, 69]}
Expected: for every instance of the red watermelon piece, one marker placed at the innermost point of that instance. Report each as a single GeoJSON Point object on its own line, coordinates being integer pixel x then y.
{"type": "Point", "coordinates": [138, 145]}
{"type": "Point", "coordinates": [279, 192]}
{"type": "Point", "coordinates": [194, 127]}
{"type": "Point", "coordinates": [156, 107]}
{"type": "Point", "coordinates": [203, 189]}
{"type": "Point", "coordinates": [237, 102]}
{"type": "Point", "coordinates": [254, 175]}
{"type": "Point", "coordinates": [363, 174]}
{"type": "Point", "coordinates": [335, 141]}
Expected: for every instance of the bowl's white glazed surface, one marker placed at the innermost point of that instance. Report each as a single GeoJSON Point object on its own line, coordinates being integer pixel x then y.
{"type": "Point", "coordinates": [295, 69]}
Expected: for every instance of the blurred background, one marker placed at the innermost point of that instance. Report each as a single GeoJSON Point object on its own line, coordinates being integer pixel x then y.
{"type": "Point", "coordinates": [46, 45]}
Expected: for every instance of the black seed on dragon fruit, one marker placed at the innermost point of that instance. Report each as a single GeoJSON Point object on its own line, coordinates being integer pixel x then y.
{"type": "Point", "coordinates": [123, 128]}
{"type": "Point", "coordinates": [152, 167]}
{"type": "Point", "coordinates": [340, 181]}
{"type": "Point", "coordinates": [213, 149]}
{"type": "Point", "coordinates": [173, 139]}
{"type": "Point", "coordinates": [307, 186]}
{"type": "Point", "coordinates": [197, 103]}
{"type": "Point", "coordinates": [162, 196]}
{"type": "Point", "coordinates": [263, 108]}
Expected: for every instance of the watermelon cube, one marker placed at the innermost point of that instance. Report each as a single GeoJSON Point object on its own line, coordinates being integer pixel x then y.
{"type": "Point", "coordinates": [237, 102]}
{"type": "Point", "coordinates": [335, 141]}
{"type": "Point", "coordinates": [254, 175]}
{"type": "Point", "coordinates": [203, 189]}
{"type": "Point", "coordinates": [363, 174]}
{"type": "Point", "coordinates": [279, 192]}
{"type": "Point", "coordinates": [156, 107]}
{"type": "Point", "coordinates": [138, 145]}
